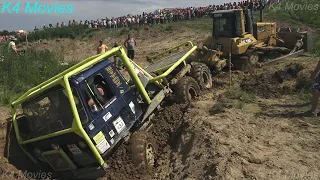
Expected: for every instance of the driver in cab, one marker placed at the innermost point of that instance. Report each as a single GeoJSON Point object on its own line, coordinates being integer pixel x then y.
{"type": "Point", "coordinates": [98, 92]}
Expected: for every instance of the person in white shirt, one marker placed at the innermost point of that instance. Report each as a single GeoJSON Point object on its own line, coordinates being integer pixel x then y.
{"type": "Point", "coordinates": [12, 46]}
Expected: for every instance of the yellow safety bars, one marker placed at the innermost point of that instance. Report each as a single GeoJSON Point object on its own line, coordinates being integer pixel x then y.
{"type": "Point", "coordinates": [168, 71]}
{"type": "Point", "coordinates": [63, 79]}
{"type": "Point", "coordinates": [170, 49]}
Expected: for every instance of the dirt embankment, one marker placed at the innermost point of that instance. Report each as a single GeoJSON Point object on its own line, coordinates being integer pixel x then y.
{"type": "Point", "coordinates": [229, 145]}
{"type": "Point", "coordinates": [149, 40]}
{"type": "Point", "coordinates": [237, 143]}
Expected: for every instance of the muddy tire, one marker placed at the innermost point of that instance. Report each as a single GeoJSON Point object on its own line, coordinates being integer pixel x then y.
{"type": "Point", "coordinates": [143, 149]}
{"type": "Point", "coordinates": [253, 58]}
{"type": "Point", "coordinates": [202, 74]}
{"type": "Point", "coordinates": [186, 90]}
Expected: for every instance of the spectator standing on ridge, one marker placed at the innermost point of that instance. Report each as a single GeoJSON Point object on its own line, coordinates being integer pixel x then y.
{"type": "Point", "coordinates": [130, 44]}
{"type": "Point", "coordinates": [102, 48]}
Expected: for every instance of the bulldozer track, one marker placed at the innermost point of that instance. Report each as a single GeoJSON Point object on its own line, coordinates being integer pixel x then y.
{"type": "Point", "coordinates": [271, 49]}
{"type": "Point", "coordinates": [282, 51]}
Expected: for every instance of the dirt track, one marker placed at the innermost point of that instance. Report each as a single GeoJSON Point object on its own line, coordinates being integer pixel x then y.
{"type": "Point", "coordinates": [235, 144]}
{"type": "Point", "coordinates": [265, 139]}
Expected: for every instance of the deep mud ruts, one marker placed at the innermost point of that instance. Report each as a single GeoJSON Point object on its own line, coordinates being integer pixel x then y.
{"type": "Point", "coordinates": [165, 124]}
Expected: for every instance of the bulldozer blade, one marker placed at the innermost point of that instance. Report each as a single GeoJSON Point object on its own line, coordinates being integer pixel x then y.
{"type": "Point", "coordinates": [295, 54]}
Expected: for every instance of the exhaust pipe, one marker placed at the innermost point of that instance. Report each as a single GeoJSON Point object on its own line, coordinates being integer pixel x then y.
{"type": "Point", "coordinates": [261, 10]}
{"type": "Point", "coordinates": [249, 21]}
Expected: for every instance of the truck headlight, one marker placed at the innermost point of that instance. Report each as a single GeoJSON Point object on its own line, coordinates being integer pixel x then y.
{"type": "Point", "coordinates": [132, 107]}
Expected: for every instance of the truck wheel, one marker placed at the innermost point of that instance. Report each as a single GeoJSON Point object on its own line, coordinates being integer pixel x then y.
{"type": "Point", "coordinates": [201, 73]}
{"type": "Point", "coordinates": [186, 89]}
{"type": "Point", "coordinates": [143, 150]}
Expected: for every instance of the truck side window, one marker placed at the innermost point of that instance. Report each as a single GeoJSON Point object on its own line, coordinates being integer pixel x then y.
{"type": "Point", "coordinates": [98, 92]}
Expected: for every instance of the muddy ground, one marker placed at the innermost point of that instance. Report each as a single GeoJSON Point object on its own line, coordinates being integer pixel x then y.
{"type": "Point", "coordinates": [267, 137]}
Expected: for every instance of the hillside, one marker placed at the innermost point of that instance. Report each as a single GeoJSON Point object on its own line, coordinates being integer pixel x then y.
{"type": "Point", "coordinates": [255, 130]}
{"type": "Point", "coordinates": [293, 11]}
{"type": "Point", "coordinates": [149, 39]}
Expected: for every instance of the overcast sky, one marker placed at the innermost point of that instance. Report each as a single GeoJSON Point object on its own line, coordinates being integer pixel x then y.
{"type": "Point", "coordinates": [86, 9]}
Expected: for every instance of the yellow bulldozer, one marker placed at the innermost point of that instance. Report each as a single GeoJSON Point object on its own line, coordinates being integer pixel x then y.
{"type": "Point", "coordinates": [247, 44]}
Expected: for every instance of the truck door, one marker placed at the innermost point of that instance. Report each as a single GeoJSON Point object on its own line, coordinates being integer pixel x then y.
{"type": "Point", "coordinates": [112, 105]}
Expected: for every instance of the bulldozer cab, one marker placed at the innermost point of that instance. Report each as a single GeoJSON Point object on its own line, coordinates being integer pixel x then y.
{"type": "Point", "coordinates": [227, 24]}
{"type": "Point", "coordinates": [230, 32]}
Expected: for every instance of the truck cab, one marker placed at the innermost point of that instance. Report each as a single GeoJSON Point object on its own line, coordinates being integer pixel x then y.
{"type": "Point", "coordinates": [72, 122]}
{"type": "Point", "coordinates": [107, 108]}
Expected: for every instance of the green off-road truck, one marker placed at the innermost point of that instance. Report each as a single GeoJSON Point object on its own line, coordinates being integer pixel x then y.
{"type": "Point", "coordinates": [73, 121]}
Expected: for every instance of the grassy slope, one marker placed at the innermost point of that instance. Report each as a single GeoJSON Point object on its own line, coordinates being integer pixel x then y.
{"type": "Point", "coordinates": [20, 73]}
{"type": "Point", "coordinates": [302, 13]}
{"type": "Point", "coordinates": [293, 11]}
{"type": "Point", "coordinates": [202, 25]}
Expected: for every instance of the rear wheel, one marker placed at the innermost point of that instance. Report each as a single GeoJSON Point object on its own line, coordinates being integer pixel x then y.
{"type": "Point", "coordinates": [186, 90]}
{"type": "Point", "coordinates": [201, 73]}
{"type": "Point", "coordinates": [143, 150]}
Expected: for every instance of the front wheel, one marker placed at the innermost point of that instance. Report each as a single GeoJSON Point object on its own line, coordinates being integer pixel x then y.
{"type": "Point", "coordinates": [143, 150]}
{"type": "Point", "coordinates": [201, 73]}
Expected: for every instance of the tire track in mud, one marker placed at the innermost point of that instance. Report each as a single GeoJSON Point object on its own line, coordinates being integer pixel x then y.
{"type": "Point", "coordinates": [165, 123]}
{"type": "Point", "coordinates": [231, 145]}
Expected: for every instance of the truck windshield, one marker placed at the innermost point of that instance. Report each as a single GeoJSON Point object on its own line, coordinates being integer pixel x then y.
{"type": "Point", "coordinates": [49, 113]}
{"type": "Point", "coordinates": [222, 27]}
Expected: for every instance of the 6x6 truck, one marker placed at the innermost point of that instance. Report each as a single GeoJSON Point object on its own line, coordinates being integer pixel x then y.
{"type": "Point", "coordinates": [73, 121]}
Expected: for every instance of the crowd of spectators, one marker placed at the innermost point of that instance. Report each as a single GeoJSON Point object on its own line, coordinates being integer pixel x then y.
{"type": "Point", "coordinates": [162, 16]}
{"type": "Point", "coordinates": [167, 15]}
{"type": "Point", "coordinates": [16, 34]}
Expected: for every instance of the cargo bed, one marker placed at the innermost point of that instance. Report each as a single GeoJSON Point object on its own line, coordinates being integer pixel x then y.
{"type": "Point", "coordinates": [166, 59]}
